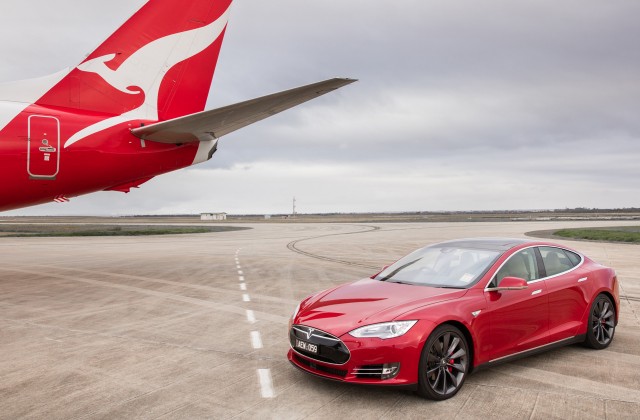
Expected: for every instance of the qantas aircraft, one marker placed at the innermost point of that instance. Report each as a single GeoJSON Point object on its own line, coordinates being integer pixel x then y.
{"type": "Point", "coordinates": [132, 110]}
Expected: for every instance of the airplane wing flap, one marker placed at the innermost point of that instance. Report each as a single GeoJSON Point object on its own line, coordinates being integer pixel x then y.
{"type": "Point", "coordinates": [219, 122]}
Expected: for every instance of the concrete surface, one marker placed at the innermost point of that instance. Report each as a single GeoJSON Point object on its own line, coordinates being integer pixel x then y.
{"type": "Point", "coordinates": [195, 326]}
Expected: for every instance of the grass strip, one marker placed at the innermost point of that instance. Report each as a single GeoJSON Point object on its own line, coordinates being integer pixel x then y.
{"type": "Point", "coordinates": [626, 234]}
{"type": "Point", "coordinates": [51, 231]}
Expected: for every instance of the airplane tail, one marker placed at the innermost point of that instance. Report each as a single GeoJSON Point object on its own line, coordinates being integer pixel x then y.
{"type": "Point", "coordinates": [157, 66]}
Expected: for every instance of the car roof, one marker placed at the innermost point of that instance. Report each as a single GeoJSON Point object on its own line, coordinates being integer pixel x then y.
{"type": "Point", "coordinates": [493, 244]}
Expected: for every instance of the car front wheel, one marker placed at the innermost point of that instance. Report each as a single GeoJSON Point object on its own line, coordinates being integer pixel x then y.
{"type": "Point", "coordinates": [444, 363]}
{"type": "Point", "coordinates": [602, 323]}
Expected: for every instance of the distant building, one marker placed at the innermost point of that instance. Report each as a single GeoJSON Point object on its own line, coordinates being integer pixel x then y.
{"type": "Point", "coordinates": [213, 216]}
{"type": "Point", "coordinates": [267, 216]}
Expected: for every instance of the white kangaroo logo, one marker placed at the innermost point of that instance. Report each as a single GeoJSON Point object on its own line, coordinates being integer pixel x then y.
{"type": "Point", "coordinates": [145, 69]}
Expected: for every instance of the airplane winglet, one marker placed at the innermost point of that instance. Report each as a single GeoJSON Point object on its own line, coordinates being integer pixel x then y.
{"type": "Point", "coordinates": [219, 122]}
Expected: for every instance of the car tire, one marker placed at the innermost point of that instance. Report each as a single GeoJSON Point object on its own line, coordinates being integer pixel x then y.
{"type": "Point", "coordinates": [444, 363]}
{"type": "Point", "coordinates": [601, 324]}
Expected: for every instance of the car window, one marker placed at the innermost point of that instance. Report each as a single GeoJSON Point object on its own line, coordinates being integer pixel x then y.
{"type": "Point", "coordinates": [555, 260]}
{"type": "Point", "coordinates": [522, 264]}
{"type": "Point", "coordinates": [573, 257]}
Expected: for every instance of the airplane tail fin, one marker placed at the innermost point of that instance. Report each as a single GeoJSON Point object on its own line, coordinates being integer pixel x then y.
{"type": "Point", "coordinates": [157, 66]}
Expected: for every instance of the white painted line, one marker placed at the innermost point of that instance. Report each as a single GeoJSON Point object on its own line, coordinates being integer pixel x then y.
{"type": "Point", "coordinates": [251, 317]}
{"type": "Point", "coordinates": [243, 286]}
{"type": "Point", "coordinates": [238, 266]}
{"type": "Point", "coordinates": [241, 278]}
{"type": "Point", "coordinates": [246, 298]}
{"type": "Point", "coordinates": [266, 385]}
{"type": "Point", "coordinates": [240, 272]}
{"type": "Point", "coordinates": [256, 340]}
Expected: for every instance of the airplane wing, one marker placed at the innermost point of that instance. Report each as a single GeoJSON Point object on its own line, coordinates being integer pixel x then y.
{"type": "Point", "coordinates": [219, 122]}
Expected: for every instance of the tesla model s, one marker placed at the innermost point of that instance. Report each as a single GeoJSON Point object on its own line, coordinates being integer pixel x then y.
{"type": "Point", "coordinates": [428, 320]}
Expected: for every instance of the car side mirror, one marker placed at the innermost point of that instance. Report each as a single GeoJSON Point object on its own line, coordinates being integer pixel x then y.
{"type": "Point", "coordinates": [510, 283]}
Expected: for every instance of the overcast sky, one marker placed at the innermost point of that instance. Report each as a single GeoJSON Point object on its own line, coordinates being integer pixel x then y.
{"type": "Point", "coordinates": [461, 105]}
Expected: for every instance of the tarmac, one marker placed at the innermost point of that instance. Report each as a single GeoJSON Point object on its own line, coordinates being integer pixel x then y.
{"type": "Point", "coordinates": [195, 326]}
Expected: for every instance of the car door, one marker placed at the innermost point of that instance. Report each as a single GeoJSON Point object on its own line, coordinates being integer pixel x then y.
{"type": "Point", "coordinates": [518, 318]}
{"type": "Point", "coordinates": [567, 289]}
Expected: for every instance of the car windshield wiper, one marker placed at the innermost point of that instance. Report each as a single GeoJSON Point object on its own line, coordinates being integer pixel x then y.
{"type": "Point", "coordinates": [400, 282]}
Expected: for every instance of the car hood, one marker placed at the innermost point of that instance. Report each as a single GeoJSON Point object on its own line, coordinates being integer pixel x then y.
{"type": "Point", "coordinates": [340, 310]}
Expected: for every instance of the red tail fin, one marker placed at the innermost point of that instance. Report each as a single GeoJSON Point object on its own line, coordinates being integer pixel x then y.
{"type": "Point", "coordinates": [159, 65]}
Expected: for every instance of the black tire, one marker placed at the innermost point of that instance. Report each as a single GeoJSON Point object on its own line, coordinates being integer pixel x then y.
{"type": "Point", "coordinates": [602, 323]}
{"type": "Point", "coordinates": [444, 363]}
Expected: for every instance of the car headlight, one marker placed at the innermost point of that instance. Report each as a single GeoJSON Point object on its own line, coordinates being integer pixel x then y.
{"type": "Point", "coordinates": [384, 331]}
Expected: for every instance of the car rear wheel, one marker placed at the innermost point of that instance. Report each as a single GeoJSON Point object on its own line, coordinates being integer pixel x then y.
{"type": "Point", "coordinates": [444, 363]}
{"type": "Point", "coordinates": [602, 323]}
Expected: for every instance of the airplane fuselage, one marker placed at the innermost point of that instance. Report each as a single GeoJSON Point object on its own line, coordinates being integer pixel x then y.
{"type": "Point", "coordinates": [36, 168]}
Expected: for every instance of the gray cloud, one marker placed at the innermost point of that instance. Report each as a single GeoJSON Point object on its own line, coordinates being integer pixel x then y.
{"type": "Point", "coordinates": [460, 105]}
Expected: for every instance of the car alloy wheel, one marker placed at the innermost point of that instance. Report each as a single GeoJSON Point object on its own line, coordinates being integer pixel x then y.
{"type": "Point", "coordinates": [443, 364]}
{"type": "Point", "coordinates": [602, 323]}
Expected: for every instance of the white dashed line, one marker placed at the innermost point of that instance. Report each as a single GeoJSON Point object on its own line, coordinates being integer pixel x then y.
{"type": "Point", "coordinates": [264, 375]}
{"type": "Point", "coordinates": [251, 317]}
{"type": "Point", "coordinates": [256, 340]}
{"type": "Point", "coordinates": [266, 385]}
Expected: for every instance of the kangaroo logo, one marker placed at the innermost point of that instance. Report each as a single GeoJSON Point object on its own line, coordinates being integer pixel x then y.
{"type": "Point", "coordinates": [145, 69]}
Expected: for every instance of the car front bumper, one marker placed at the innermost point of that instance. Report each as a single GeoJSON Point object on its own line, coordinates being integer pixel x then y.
{"type": "Point", "coordinates": [369, 359]}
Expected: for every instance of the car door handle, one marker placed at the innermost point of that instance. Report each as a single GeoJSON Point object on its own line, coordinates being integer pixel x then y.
{"type": "Point", "coordinates": [583, 279]}
{"type": "Point", "coordinates": [535, 292]}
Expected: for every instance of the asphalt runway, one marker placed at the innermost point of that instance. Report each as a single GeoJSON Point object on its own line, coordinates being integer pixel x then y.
{"type": "Point", "coordinates": [195, 326]}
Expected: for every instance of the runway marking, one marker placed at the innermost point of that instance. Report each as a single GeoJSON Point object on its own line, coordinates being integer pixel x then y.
{"type": "Point", "coordinates": [266, 384]}
{"type": "Point", "coordinates": [264, 375]}
{"type": "Point", "coordinates": [256, 340]}
{"type": "Point", "coordinates": [153, 280]}
{"type": "Point", "coordinates": [251, 317]}
{"type": "Point", "coordinates": [215, 305]}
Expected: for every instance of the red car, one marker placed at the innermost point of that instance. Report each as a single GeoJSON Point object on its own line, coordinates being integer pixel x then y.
{"type": "Point", "coordinates": [431, 318]}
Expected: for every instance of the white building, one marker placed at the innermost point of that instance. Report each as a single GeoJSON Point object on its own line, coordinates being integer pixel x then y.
{"type": "Point", "coordinates": [213, 216]}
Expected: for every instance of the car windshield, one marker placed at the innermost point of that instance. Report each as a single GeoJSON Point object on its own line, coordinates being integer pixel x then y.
{"type": "Point", "coordinates": [440, 266]}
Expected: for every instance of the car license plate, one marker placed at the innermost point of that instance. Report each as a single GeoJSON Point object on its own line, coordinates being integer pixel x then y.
{"type": "Point", "coordinates": [303, 345]}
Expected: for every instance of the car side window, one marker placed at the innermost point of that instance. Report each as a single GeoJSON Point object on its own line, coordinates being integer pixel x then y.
{"type": "Point", "coordinates": [573, 257]}
{"type": "Point", "coordinates": [555, 260]}
{"type": "Point", "coordinates": [522, 264]}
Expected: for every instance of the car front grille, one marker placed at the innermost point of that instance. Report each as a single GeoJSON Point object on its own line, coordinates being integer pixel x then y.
{"type": "Point", "coordinates": [330, 348]}
{"type": "Point", "coordinates": [332, 371]}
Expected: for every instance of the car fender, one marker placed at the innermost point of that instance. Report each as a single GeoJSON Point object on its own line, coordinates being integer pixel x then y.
{"type": "Point", "coordinates": [460, 313]}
